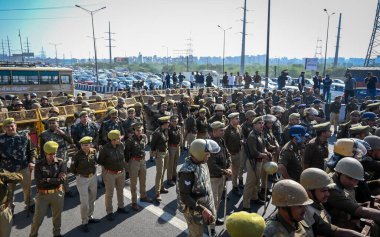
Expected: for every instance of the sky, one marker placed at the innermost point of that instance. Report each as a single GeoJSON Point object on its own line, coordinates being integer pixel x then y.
{"type": "Point", "coordinates": [153, 26]}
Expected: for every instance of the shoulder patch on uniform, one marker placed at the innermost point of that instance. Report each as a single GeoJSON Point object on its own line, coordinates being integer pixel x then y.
{"type": "Point", "coordinates": [187, 183]}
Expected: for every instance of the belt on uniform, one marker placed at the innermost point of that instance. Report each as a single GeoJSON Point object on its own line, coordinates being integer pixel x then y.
{"type": "Point", "coordinates": [86, 175]}
{"type": "Point", "coordinates": [136, 158]}
{"type": "Point", "coordinates": [114, 172]}
{"type": "Point", "coordinates": [173, 145]}
{"type": "Point", "coordinates": [49, 191]}
{"type": "Point", "coordinates": [4, 206]}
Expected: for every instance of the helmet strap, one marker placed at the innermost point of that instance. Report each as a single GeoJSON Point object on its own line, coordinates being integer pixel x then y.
{"type": "Point", "coordinates": [288, 209]}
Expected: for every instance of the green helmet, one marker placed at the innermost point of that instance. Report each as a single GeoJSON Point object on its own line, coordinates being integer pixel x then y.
{"type": "Point", "coordinates": [270, 167]}
{"type": "Point", "coordinates": [200, 147]}
{"type": "Point", "coordinates": [351, 167]}
{"type": "Point", "coordinates": [288, 193]}
{"type": "Point", "coordinates": [313, 178]}
{"type": "Point", "coordinates": [244, 224]}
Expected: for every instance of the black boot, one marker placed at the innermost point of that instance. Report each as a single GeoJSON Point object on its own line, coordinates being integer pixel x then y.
{"type": "Point", "coordinates": [236, 191]}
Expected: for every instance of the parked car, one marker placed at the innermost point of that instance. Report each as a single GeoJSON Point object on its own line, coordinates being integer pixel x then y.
{"type": "Point", "coordinates": [361, 93]}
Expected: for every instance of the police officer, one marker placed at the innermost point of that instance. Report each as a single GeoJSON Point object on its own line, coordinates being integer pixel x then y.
{"type": "Point", "coordinates": [219, 165]}
{"type": "Point", "coordinates": [259, 110]}
{"type": "Point", "coordinates": [191, 126]}
{"type": "Point", "coordinates": [369, 118]}
{"type": "Point", "coordinates": [202, 125]}
{"type": "Point", "coordinates": [195, 198]}
{"type": "Point", "coordinates": [111, 157]}
{"type": "Point", "coordinates": [308, 120]}
{"type": "Point", "coordinates": [317, 184]}
{"type": "Point", "coordinates": [341, 203]}
{"type": "Point", "coordinates": [54, 133]}
{"type": "Point", "coordinates": [174, 142]}
{"type": "Point", "coordinates": [17, 154]}
{"type": "Point", "coordinates": [256, 154]}
{"type": "Point", "coordinates": [135, 156]}
{"type": "Point", "coordinates": [122, 111]}
{"type": "Point", "coordinates": [345, 127]}
{"type": "Point", "coordinates": [359, 131]}
{"type": "Point", "coordinates": [131, 119]}
{"type": "Point", "coordinates": [316, 151]}
{"type": "Point", "coordinates": [85, 128]}
{"type": "Point", "coordinates": [290, 161]}
{"type": "Point", "coordinates": [233, 140]}
{"type": "Point", "coordinates": [6, 215]}
{"type": "Point", "coordinates": [113, 123]}
{"type": "Point", "coordinates": [291, 200]}
{"type": "Point", "coordinates": [83, 167]}
{"type": "Point", "coordinates": [159, 150]}
{"type": "Point", "coordinates": [50, 174]}
{"type": "Point", "coordinates": [218, 116]}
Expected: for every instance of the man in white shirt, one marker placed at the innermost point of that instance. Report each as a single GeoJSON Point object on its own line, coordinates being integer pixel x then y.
{"type": "Point", "coordinates": [231, 80]}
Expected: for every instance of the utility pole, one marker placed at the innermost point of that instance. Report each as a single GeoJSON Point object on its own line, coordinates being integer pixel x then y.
{"type": "Point", "coordinates": [2, 47]}
{"type": "Point", "coordinates": [9, 48]}
{"type": "Point", "coordinates": [93, 36]}
{"type": "Point", "coordinates": [337, 41]}
{"type": "Point", "coordinates": [27, 47]}
{"type": "Point", "coordinates": [327, 38]}
{"type": "Point", "coordinates": [22, 51]}
{"type": "Point", "coordinates": [242, 56]}
{"type": "Point", "coordinates": [109, 40]}
{"type": "Point", "coordinates": [267, 54]}
{"type": "Point", "coordinates": [224, 44]}
{"type": "Point", "coordinates": [318, 49]}
{"type": "Point", "coordinates": [56, 54]}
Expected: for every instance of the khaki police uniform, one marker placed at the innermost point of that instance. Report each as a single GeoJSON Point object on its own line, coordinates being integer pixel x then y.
{"type": "Point", "coordinates": [112, 159]}
{"type": "Point", "coordinates": [232, 138]}
{"type": "Point", "coordinates": [159, 144]}
{"type": "Point", "coordinates": [49, 193]}
{"type": "Point", "coordinates": [6, 216]}
{"type": "Point", "coordinates": [135, 155]}
{"type": "Point", "coordinates": [255, 146]}
{"type": "Point", "coordinates": [174, 141]}
{"type": "Point", "coordinates": [84, 168]}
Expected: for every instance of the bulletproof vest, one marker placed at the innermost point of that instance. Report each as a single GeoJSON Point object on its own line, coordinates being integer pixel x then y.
{"type": "Point", "coordinates": [201, 190]}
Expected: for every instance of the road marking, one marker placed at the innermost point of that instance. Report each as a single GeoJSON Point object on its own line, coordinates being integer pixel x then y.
{"type": "Point", "coordinates": [167, 217]}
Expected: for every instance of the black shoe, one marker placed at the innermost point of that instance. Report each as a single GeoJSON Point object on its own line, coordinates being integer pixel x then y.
{"type": "Point", "coordinates": [146, 199]}
{"type": "Point", "coordinates": [126, 175]}
{"type": "Point", "coordinates": [151, 159]}
{"type": "Point", "coordinates": [110, 217]}
{"type": "Point", "coordinates": [69, 194]}
{"type": "Point", "coordinates": [241, 183]}
{"type": "Point", "coordinates": [171, 183]}
{"type": "Point", "coordinates": [164, 190]}
{"type": "Point", "coordinates": [30, 209]}
{"type": "Point", "coordinates": [213, 233]}
{"type": "Point", "coordinates": [85, 228]}
{"type": "Point", "coordinates": [122, 210]}
{"type": "Point", "coordinates": [262, 196]}
{"type": "Point", "coordinates": [219, 221]}
{"type": "Point", "coordinates": [174, 178]}
{"type": "Point", "coordinates": [258, 202]}
{"type": "Point", "coordinates": [236, 191]}
{"type": "Point", "coordinates": [93, 220]}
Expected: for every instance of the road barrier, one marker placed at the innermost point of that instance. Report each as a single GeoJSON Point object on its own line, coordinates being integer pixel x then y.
{"type": "Point", "coordinates": [97, 88]}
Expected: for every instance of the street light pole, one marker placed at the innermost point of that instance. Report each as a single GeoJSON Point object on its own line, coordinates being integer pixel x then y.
{"type": "Point", "coordinates": [267, 54]}
{"type": "Point", "coordinates": [56, 54]}
{"type": "Point", "coordinates": [327, 38]}
{"type": "Point", "coordinates": [224, 44]}
{"type": "Point", "coordinates": [93, 36]}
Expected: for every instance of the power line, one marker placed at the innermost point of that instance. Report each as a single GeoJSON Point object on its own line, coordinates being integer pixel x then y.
{"type": "Point", "coordinates": [42, 8]}
{"type": "Point", "coordinates": [38, 18]}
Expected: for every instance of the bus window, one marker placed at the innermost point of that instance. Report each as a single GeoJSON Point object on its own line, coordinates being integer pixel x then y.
{"type": "Point", "coordinates": [49, 80]}
{"type": "Point", "coordinates": [32, 80]}
{"type": "Point", "coordinates": [65, 79]}
{"type": "Point", "coordinates": [4, 80]}
{"type": "Point", "coordinates": [19, 80]}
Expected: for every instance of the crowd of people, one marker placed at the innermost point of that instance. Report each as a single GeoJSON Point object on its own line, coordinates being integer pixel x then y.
{"type": "Point", "coordinates": [276, 137]}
